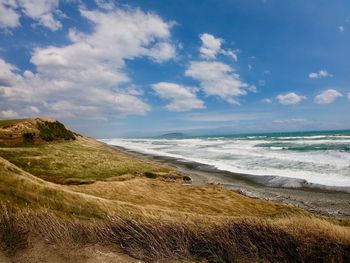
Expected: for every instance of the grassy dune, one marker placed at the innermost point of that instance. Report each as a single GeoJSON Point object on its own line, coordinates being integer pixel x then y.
{"type": "Point", "coordinates": [84, 192]}
{"type": "Point", "coordinates": [81, 161]}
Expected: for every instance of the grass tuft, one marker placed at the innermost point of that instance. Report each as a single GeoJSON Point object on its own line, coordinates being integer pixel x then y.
{"type": "Point", "coordinates": [12, 235]}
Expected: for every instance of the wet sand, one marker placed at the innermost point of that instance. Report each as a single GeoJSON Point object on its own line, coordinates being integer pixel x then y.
{"type": "Point", "coordinates": [324, 201]}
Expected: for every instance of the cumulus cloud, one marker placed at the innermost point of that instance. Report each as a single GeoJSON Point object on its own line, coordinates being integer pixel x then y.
{"type": "Point", "coordinates": [290, 98]}
{"type": "Point", "coordinates": [41, 11]}
{"type": "Point", "coordinates": [182, 98]}
{"type": "Point", "coordinates": [321, 74]}
{"type": "Point", "coordinates": [217, 79]}
{"type": "Point", "coordinates": [87, 76]}
{"type": "Point", "coordinates": [211, 47]}
{"type": "Point", "coordinates": [9, 18]}
{"type": "Point", "coordinates": [341, 28]}
{"type": "Point", "coordinates": [327, 96]}
{"type": "Point", "coordinates": [8, 76]}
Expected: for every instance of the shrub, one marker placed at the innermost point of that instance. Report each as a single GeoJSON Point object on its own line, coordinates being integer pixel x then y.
{"type": "Point", "coordinates": [151, 175]}
{"type": "Point", "coordinates": [28, 136]}
{"type": "Point", "coordinates": [50, 131]}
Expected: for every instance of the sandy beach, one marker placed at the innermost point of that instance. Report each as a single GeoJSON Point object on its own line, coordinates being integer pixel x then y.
{"type": "Point", "coordinates": [327, 202]}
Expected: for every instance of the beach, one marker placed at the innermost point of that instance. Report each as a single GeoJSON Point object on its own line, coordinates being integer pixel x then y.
{"type": "Point", "coordinates": [327, 202]}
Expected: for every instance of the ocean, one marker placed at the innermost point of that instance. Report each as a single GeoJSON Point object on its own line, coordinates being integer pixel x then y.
{"type": "Point", "coordinates": [321, 158]}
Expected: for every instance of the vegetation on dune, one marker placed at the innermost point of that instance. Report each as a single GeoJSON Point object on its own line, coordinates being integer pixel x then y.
{"type": "Point", "coordinates": [206, 200]}
{"type": "Point", "coordinates": [50, 131]}
{"type": "Point", "coordinates": [243, 240]}
{"type": "Point", "coordinates": [81, 161]}
{"type": "Point", "coordinates": [22, 132]}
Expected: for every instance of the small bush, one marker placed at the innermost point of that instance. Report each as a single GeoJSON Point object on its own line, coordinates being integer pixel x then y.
{"type": "Point", "coordinates": [28, 137]}
{"type": "Point", "coordinates": [50, 131]}
{"type": "Point", "coordinates": [151, 175]}
{"type": "Point", "coordinates": [186, 178]}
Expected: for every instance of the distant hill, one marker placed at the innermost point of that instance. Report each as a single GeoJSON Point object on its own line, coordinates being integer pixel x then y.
{"type": "Point", "coordinates": [173, 135]}
{"type": "Point", "coordinates": [33, 131]}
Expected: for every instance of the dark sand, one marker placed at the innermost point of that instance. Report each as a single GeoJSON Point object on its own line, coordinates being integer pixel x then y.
{"type": "Point", "coordinates": [335, 203]}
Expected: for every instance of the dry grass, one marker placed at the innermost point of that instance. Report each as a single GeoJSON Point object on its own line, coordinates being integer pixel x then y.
{"type": "Point", "coordinates": [243, 240]}
{"type": "Point", "coordinates": [205, 200]}
{"type": "Point", "coordinates": [7, 123]}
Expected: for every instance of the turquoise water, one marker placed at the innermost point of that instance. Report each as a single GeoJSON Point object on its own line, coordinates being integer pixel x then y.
{"type": "Point", "coordinates": [318, 157]}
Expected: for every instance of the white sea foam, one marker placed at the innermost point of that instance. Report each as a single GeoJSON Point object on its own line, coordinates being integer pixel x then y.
{"type": "Point", "coordinates": [246, 155]}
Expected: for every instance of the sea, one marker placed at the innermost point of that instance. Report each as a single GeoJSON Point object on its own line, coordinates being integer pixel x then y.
{"type": "Point", "coordinates": [318, 157]}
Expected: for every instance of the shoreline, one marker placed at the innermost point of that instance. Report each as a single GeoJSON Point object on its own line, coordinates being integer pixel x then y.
{"type": "Point", "coordinates": [324, 201]}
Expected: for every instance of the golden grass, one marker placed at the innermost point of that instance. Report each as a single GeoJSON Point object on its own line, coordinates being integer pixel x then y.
{"type": "Point", "coordinates": [243, 240]}
{"type": "Point", "coordinates": [205, 200]}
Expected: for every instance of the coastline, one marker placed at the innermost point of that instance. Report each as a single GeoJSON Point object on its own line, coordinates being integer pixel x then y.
{"type": "Point", "coordinates": [317, 199]}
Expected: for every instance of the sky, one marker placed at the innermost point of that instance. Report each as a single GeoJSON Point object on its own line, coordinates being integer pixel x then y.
{"type": "Point", "coordinates": [142, 68]}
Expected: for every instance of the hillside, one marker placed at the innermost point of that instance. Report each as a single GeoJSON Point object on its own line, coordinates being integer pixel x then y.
{"type": "Point", "coordinates": [82, 192]}
{"type": "Point", "coordinates": [33, 131]}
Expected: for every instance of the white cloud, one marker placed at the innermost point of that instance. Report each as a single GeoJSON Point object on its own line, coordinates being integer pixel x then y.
{"type": "Point", "coordinates": [225, 116]}
{"type": "Point", "coordinates": [9, 18]}
{"type": "Point", "coordinates": [87, 77]}
{"type": "Point", "coordinates": [290, 98]}
{"type": "Point", "coordinates": [211, 47]}
{"type": "Point", "coordinates": [41, 11]}
{"type": "Point", "coordinates": [8, 76]}
{"type": "Point", "coordinates": [349, 96]}
{"type": "Point", "coordinates": [327, 96]}
{"type": "Point", "coordinates": [182, 98]}
{"type": "Point", "coordinates": [106, 5]}
{"type": "Point", "coordinates": [267, 100]}
{"type": "Point", "coordinates": [341, 28]}
{"type": "Point", "coordinates": [8, 114]}
{"type": "Point", "coordinates": [321, 74]}
{"type": "Point", "coordinates": [217, 79]}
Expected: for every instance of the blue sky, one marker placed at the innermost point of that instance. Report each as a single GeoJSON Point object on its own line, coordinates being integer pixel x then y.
{"type": "Point", "coordinates": [138, 68]}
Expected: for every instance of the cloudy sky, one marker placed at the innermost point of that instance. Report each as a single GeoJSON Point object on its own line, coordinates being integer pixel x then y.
{"type": "Point", "coordinates": [138, 68]}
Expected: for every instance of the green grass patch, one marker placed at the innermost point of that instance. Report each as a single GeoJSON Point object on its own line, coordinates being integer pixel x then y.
{"type": "Point", "coordinates": [81, 159]}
